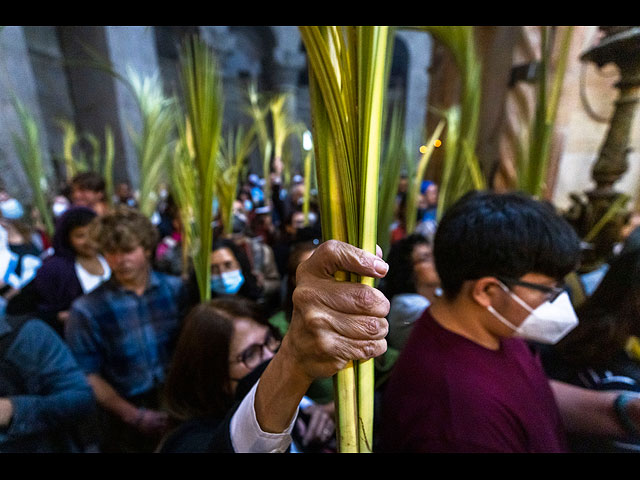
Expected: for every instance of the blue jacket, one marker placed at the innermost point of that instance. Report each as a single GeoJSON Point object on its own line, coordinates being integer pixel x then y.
{"type": "Point", "coordinates": [49, 393]}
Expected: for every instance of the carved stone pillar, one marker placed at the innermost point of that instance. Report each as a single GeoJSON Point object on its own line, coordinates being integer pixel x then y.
{"type": "Point", "coordinates": [620, 46]}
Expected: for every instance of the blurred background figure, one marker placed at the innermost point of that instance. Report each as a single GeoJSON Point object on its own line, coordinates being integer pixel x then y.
{"type": "Point", "coordinates": [601, 353]}
{"type": "Point", "coordinates": [75, 268]}
{"type": "Point", "coordinates": [88, 190]}
{"type": "Point", "coordinates": [411, 285]}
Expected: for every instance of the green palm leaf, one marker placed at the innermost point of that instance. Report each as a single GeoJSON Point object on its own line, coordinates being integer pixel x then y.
{"type": "Point", "coordinates": [204, 103]}
{"type": "Point", "coordinates": [30, 155]}
{"type": "Point", "coordinates": [349, 69]}
{"type": "Point", "coordinates": [154, 142]}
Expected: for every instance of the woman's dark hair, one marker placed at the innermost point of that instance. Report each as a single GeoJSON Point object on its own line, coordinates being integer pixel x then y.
{"type": "Point", "coordinates": [197, 382]}
{"type": "Point", "coordinates": [608, 317]}
{"type": "Point", "coordinates": [250, 288]}
{"type": "Point", "coordinates": [73, 218]}
{"type": "Point", "coordinates": [400, 278]}
{"type": "Point", "coordinates": [510, 234]}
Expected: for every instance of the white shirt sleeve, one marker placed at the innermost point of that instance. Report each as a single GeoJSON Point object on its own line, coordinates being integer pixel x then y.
{"type": "Point", "coordinates": [248, 437]}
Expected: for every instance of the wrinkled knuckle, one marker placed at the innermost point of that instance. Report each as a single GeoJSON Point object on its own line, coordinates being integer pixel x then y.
{"type": "Point", "coordinates": [365, 297]}
{"type": "Point", "coordinates": [369, 349]}
{"type": "Point", "coordinates": [369, 326]}
{"type": "Point", "coordinates": [300, 271]}
{"type": "Point", "coordinates": [374, 348]}
{"type": "Point", "coordinates": [302, 296]}
{"type": "Point", "coordinates": [331, 246]}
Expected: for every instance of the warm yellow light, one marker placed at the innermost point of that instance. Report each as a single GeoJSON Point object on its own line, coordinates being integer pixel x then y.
{"type": "Point", "coordinates": [437, 143]}
{"type": "Point", "coordinates": [423, 149]}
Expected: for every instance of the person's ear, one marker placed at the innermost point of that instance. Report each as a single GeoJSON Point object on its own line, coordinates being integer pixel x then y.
{"type": "Point", "coordinates": [484, 289]}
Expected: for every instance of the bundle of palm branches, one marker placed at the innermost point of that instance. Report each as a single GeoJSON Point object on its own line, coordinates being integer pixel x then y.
{"type": "Point", "coordinates": [258, 109]}
{"type": "Point", "coordinates": [348, 74]}
{"type": "Point", "coordinates": [533, 147]}
{"type": "Point", "coordinates": [30, 155]}
{"type": "Point", "coordinates": [239, 144]}
{"type": "Point", "coordinates": [195, 168]}
{"type": "Point", "coordinates": [284, 129]}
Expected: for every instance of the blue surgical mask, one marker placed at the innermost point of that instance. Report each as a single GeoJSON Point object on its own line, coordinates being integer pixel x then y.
{"type": "Point", "coordinates": [227, 283]}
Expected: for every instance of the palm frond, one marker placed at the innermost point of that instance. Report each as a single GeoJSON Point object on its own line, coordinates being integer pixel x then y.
{"type": "Point", "coordinates": [154, 141]}
{"type": "Point", "coordinates": [30, 155]}
{"type": "Point", "coordinates": [349, 69]}
{"type": "Point", "coordinates": [204, 104]}
{"type": "Point", "coordinates": [534, 153]}
{"type": "Point", "coordinates": [233, 154]}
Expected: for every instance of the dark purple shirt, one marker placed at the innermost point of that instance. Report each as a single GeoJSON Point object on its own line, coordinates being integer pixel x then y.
{"type": "Point", "coordinates": [449, 394]}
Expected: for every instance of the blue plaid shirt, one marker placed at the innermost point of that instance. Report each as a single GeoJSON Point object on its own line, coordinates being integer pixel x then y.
{"type": "Point", "coordinates": [125, 338]}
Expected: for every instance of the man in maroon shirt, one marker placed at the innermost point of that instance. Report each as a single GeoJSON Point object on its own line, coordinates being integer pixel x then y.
{"type": "Point", "coordinates": [467, 379]}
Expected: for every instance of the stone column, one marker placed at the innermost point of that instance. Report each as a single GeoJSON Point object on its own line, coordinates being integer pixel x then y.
{"type": "Point", "coordinates": [418, 45]}
{"type": "Point", "coordinates": [99, 98]}
{"type": "Point", "coordinates": [222, 42]}
{"type": "Point", "coordinates": [289, 61]}
{"type": "Point", "coordinates": [131, 47]}
{"type": "Point", "coordinates": [17, 79]}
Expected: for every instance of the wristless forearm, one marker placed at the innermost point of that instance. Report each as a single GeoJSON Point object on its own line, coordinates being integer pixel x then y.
{"type": "Point", "coordinates": [278, 394]}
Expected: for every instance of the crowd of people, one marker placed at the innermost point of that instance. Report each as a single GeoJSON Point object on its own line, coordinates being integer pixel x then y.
{"type": "Point", "coordinates": [479, 345]}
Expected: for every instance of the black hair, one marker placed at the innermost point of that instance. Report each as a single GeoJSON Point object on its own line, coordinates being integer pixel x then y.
{"type": "Point", "coordinates": [73, 218]}
{"type": "Point", "coordinates": [89, 181]}
{"type": "Point", "coordinates": [400, 278]}
{"type": "Point", "coordinates": [608, 317]}
{"type": "Point", "coordinates": [510, 234]}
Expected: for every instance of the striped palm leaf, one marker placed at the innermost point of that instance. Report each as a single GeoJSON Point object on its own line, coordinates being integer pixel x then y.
{"type": "Point", "coordinates": [76, 161]}
{"type": "Point", "coordinates": [154, 142]}
{"type": "Point", "coordinates": [30, 154]}
{"type": "Point", "coordinates": [391, 164]}
{"type": "Point", "coordinates": [461, 170]}
{"type": "Point", "coordinates": [258, 110]}
{"type": "Point", "coordinates": [413, 189]}
{"type": "Point", "coordinates": [532, 160]}
{"type": "Point", "coordinates": [239, 144]}
{"type": "Point", "coordinates": [200, 140]}
{"type": "Point", "coordinates": [348, 70]}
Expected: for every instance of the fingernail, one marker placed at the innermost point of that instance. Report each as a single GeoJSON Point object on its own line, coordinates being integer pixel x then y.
{"type": "Point", "coordinates": [380, 267]}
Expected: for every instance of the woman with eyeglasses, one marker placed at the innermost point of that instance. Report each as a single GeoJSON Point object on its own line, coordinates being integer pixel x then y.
{"type": "Point", "coordinates": [224, 344]}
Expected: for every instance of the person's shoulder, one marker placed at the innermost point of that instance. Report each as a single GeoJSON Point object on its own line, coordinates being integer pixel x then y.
{"type": "Point", "coordinates": [35, 331]}
{"type": "Point", "coordinates": [97, 299]}
{"type": "Point", "coordinates": [55, 261]}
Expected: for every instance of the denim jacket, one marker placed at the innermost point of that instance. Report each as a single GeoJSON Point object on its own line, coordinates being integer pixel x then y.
{"type": "Point", "coordinates": [55, 395]}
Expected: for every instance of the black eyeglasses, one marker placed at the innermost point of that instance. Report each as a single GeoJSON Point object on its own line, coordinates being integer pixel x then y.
{"type": "Point", "coordinates": [253, 355]}
{"type": "Point", "coordinates": [552, 292]}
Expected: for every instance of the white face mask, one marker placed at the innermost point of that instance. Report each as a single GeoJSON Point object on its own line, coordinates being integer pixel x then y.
{"type": "Point", "coordinates": [546, 324]}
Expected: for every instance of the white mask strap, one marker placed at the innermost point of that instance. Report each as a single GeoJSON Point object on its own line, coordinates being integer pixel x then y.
{"type": "Point", "coordinates": [502, 319]}
{"type": "Point", "coordinates": [521, 302]}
